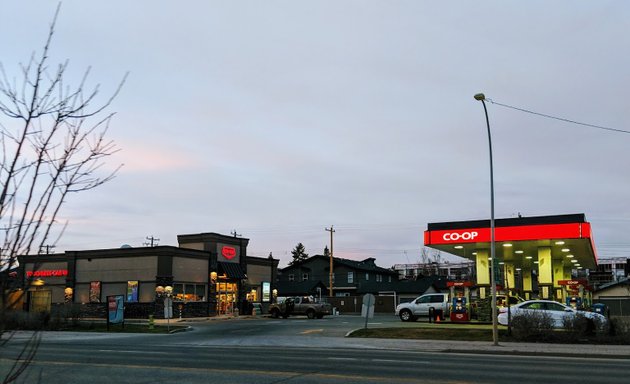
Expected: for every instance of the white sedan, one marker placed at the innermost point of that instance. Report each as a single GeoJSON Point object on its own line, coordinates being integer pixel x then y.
{"type": "Point", "coordinates": [556, 311]}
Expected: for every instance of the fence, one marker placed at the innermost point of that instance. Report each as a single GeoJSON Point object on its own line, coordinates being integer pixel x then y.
{"type": "Point", "coordinates": [352, 304]}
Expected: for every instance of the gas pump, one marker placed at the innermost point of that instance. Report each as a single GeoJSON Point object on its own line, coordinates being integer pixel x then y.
{"type": "Point", "coordinates": [460, 300]}
{"type": "Point", "coordinates": [576, 293]}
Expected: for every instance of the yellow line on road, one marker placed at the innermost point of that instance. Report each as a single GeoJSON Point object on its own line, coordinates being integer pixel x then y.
{"type": "Point", "coordinates": [312, 331]}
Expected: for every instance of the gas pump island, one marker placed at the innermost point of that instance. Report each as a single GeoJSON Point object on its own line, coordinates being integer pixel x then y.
{"type": "Point", "coordinates": [543, 251]}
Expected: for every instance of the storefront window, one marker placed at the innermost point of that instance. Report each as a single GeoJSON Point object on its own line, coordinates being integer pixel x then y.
{"type": "Point", "coordinates": [226, 297]}
{"type": "Point", "coordinates": [189, 292]}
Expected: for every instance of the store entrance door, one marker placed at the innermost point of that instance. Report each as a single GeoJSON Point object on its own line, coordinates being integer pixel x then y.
{"type": "Point", "coordinates": [227, 292]}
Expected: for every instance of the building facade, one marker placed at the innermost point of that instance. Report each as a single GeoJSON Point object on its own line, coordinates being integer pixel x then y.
{"type": "Point", "coordinates": [205, 276]}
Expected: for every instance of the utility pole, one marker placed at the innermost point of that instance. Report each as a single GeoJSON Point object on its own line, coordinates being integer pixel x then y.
{"type": "Point", "coordinates": [330, 286]}
{"type": "Point", "coordinates": [235, 234]}
{"type": "Point", "coordinates": [152, 241]}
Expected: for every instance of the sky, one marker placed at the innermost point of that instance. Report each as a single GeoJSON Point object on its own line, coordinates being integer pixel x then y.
{"type": "Point", "coordinates": [279, 119]}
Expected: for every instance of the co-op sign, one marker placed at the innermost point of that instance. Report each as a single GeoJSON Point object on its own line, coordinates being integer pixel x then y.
{"type": "Point", "coordinates": [456, 236]}
{"type": "Point", "coordinates": [453, 236]}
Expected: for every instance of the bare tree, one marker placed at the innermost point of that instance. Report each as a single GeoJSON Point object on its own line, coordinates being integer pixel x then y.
{"type": "Point", "coordinates": [53, 139]}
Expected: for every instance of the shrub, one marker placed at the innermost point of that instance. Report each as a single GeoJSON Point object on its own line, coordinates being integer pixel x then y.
{"type": "Point", "coordinates": [532, 326]}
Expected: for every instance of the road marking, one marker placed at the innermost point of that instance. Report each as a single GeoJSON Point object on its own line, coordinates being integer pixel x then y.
{"type": "Point", "coordinates": [128, 351]}
{"type": "Point", "coordinates": [312, 331]}
{"type": "Point", "coordinates": [400, 361]}
{"type": "Point", "coordinates": [343, 358]}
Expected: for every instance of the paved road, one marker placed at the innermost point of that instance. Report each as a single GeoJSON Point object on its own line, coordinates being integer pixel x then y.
{"type": "Point", "coordinates": [297, 351]}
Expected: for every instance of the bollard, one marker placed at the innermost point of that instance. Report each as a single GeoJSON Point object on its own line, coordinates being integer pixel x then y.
{"type": "Point", "coordinates": [151, 322]}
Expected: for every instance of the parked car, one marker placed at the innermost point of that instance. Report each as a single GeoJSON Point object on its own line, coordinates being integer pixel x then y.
{"type": "Point", "coordinates": [423, 305]}
{"type": "Point", "coordinates": [557, 311]}
{"type": "Point", "coordinates": [300, 305]}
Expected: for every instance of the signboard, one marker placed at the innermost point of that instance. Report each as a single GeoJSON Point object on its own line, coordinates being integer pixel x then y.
{"type": "Point", "coordinates": [367, 308]}
{"type": "Point", "coordinates": [115, 309]}
{"type": "Point", "coordinates": [95, 292]}
{"type": "Point", "coordinates": [515, 233]}
{"type": "Point", "coordinates": [266, 291]}
{"type": "Point", "coordinates": [168, 308]}
{"type": "Point", "coordinates": [47, 273]}
{"type": "Point", "coordinates": [228, 252]}
{"type": "Point", "coordinates": [132, 291]}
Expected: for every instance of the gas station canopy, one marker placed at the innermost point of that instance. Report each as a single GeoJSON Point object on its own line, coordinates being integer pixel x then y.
{"type": "Point", "coordinates": [517, 240]}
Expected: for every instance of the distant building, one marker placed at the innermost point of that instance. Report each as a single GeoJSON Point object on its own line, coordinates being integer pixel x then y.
{"type": "Point", "coordinates": [463, 271]}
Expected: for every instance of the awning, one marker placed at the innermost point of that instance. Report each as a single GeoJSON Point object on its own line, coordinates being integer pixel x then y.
{"type": "Point", "coordinates": [231, 270]}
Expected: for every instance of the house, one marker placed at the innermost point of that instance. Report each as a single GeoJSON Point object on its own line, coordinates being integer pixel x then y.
{"type": "Point", "coordinates": [350, 277]}
{"type": "Point", "coordinates": [616, 296]}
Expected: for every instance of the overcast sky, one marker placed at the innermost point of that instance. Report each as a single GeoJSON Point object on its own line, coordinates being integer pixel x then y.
{"type": "Point", "coordinates": [278, 119]}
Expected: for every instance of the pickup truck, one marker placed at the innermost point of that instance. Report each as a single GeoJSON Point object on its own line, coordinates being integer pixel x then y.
{"type": "Point", "coordinates": [423, 306]}
{"type": "Point", "coordinates": [300, 305]}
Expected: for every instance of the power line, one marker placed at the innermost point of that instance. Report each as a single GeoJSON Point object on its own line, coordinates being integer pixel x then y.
{"type": "Point", "coordinates": [558, 118]}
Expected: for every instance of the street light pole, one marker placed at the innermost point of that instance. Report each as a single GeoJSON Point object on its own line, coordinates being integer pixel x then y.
{"type": "Point", "coordinates": [493, 288]}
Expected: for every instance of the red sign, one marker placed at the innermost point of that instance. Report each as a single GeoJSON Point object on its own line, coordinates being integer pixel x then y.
{"type": "Point", "coordinates": [48, 273]}
{"type": "Point", "coordinates": [459, 284]}
{"type": "Point", "coordinates": [517, 233]}
{"type": "Point", "coordinates": [228, 252]}
{"type": "Point", "coordinates": [573, 282]}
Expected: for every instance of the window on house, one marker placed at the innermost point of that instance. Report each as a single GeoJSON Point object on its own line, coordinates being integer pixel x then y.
{"type": "Point", "coordinates": [350, 277]}
{"type": "Point", "coordinates": [379, 278]}
{"type": "Point", "coordinates": [367, 276]}
{"type": "Point", "coordinates": [390, 279]}
{"type": "Point", "coordinates": [291, 277]}
{"type": "Point", "coordinates": [304, 276]}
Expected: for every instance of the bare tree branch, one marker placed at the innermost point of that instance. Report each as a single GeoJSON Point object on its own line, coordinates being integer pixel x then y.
{"type": "Point", "coordinates": [54, 143]}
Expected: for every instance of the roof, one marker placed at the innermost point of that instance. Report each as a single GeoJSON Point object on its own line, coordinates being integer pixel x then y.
{"type": "Point", "coordinates": [518, 240]}
{"type": "Point", "coordinates": [622, 281]}
{"type": "Point", "coordinates": [367, 265]}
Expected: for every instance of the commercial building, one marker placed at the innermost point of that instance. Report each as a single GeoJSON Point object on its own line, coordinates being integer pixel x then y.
{"type": "Point", "coordinates": [547, 250]}
{"type": "Point", "coordinates": [208, 274]}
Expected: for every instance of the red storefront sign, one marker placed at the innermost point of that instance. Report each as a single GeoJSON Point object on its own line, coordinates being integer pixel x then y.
{"type": "Point", "coordinates": [228, 252]}
{"type": "Point", "coordinates": [516, 233]}
{"type": "Point", "coordinates": [48, 273]}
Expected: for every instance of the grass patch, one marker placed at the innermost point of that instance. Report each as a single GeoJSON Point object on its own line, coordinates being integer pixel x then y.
{"type": "Point", "coordinates": [432, 333]}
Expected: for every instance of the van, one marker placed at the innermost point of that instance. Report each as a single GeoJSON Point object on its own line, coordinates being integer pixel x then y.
{"type": "Point", "coordinates": [423, 306]}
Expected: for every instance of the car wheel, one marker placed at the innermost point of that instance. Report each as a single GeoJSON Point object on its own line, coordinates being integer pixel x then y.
{"type": "Point", "coordinates": [405, 315]}
{"type": "Point", "coordinates": [310, 314]}
{"type": "Point", "coordinates": [275, 313]}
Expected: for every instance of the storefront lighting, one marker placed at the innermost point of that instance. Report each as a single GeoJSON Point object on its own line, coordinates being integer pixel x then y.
{"type": "Point", "coordinates": [507, 245]}
{"type": "Point", "coordinates": [518, 269]}
{"type": "Point", "coordinates": [536, 262]}
{"type": "Point", "coordinates": [459, 246]}
{"type": "Point", "coordinates": [574, 260]}
{"type": "Point", "coordinates": [566, 250]}
{"type": "Point", "coordinates": [559, 242]}
{"type": "Point", "coordinates": [528, 257]}
{"type": "Point", "coordinates": [519, 252]}
{"type": "Point", "coordinates": [570, 256]}
{"type": "Point", "coordinates": [474, 253]}
{"type": "Point", "coordinates": [579, 267]}
{"type": "Point", "coordinates": [489, 258]}
{"type": "Point", "coordinates": [501, 262]}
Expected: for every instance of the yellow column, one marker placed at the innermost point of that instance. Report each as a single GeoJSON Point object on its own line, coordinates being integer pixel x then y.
{"type": "Point", "coordinates": [483, 273]}
{"type": "Point", "coordinates": [558, 273]}
{"type": "Point", "coordinates": [545, 272]}
{"type": "Point", "coordinates": [527, 283]}
{"type": "Point", "coordinates": [509, 276]}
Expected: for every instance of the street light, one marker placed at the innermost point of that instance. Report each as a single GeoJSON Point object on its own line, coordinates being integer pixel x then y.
{"type": "Point", "coordinates": [493, 288]}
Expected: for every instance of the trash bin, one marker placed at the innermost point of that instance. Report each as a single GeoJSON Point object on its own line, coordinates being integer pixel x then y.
{"type": "Point", "coordinates": [599, 308]}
